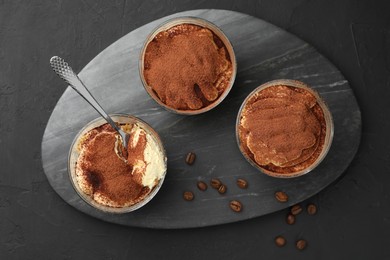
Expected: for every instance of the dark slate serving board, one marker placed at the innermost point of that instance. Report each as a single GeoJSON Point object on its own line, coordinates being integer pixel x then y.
{"type": "Point", "coordinates": [264, 52]}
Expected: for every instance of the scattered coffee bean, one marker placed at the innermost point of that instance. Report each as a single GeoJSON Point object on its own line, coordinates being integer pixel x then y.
{"type": "Point", "coordinates": [235, 205]}
{"type": "Point", "coordinates": [311, 209]}
{"type": "Point", "coordinates": [188, 195]}
{"type": "Point", "coordinates": [280, 241]}
{"type": "Point", "coordinates": [301, 244]}
{"type": "Point", "coordinates": [222, 189]}
{"type": "Point", "coordinates": [281, 196]}
{"type": "Point", "coordinates": [202, 185]}
{"type": "Point", "coordinates": [296, 209]}
{"type": "Point", "coordinates": [215, 183]}
{"type": "Point", "coordinates": [243, 184]}
{"type": "Point", "coordinates": [290, 219]}
{"type": "Point", "coordinates": [190, 159]}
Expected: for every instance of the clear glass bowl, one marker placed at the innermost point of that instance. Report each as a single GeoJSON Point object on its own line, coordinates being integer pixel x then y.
{"type": "Point", "coordinates": [74, 153]}
{"type": "Point", "coordinates": [203, 23]}
{"type": "Point", "coordinates": [328, 135]}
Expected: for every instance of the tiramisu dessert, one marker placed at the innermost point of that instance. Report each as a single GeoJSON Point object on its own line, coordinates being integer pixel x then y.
{"type": "Point", "coordinates": [108, 179]}
{"type": "Point", "coordinates": [187, 66]}
{"type": "Point", "coordinates": [282, 129]}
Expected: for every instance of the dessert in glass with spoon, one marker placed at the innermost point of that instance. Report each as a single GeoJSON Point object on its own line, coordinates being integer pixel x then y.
{"type": "Point", "coordinates": [105, 179]}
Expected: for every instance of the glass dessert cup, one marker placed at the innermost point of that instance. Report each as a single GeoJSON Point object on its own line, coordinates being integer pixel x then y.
{"type": "Point", "coordinates": [74, 153]}
{"type": "Point", "coordinates": [327, 136]}
{"type": "Point", "coordinates": [191, 21]}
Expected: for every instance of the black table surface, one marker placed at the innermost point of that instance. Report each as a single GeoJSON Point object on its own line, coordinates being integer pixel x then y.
{"type": "Point", "coordinates": [353, 220]}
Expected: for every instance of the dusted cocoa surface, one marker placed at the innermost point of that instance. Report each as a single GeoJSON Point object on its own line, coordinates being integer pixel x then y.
{"type": "Point", "coordinates": [103, 176]}
{"type": "Point", "coordinates": [187, 66]}
{"type": "Point", "coordinates": [282, 129]}
{"type": "Point", "coordinates": [352, 218]}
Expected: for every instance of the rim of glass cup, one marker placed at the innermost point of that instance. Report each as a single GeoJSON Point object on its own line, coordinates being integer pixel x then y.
{"type": "Point", "coordinates": [328, 121]}
{"type": "Point", "coordinates": [200, 22]}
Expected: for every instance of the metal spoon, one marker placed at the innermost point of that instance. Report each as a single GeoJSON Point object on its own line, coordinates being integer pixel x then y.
{"type": "Point", "coordinates": [62, 68]}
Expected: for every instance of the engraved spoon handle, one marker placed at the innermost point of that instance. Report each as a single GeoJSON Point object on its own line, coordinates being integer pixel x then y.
{"type": "Point", "coordinates": [64, 71]}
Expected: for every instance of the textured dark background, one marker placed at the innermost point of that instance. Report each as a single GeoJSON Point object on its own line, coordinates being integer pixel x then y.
{"type": "Point", "coordinates": [353, 221]}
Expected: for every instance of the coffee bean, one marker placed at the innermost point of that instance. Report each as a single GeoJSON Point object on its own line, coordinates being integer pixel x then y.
{"type": "Point", "coordinates": [188, 195]}
{"type": "Point", "coordinates": [281, 196]}
{"type": "Point", "coordinates": [190, 159]}
{"type": "Point", "coordinates": [235, 205]}
{"type": "Point", "coordinates": [215, 183]}
{"type": "Point", "coordinates": [222, 189]}
{"type": "Point", "coordinates": [296, 209]}
{"type": "Point", "coordinates": [280, 241]}
{"type": "Point", "coordinates": [301, 244]}
{"type": "Point", "coordinates": [311, 209]}
{"type": "Point", "coordinates": [243, 184]}
{"type": "Point", "coordinates": [202, 185]}
{"type": "Point", "coordinates": [290, 219]}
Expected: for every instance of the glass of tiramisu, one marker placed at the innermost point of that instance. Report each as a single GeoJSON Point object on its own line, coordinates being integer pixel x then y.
{"type": "Point", "coordinates": [187, 65]}
{"type": "Point", "coordinates": [117, 181]}
{"type": "Point", "coordinates": [284, 128]}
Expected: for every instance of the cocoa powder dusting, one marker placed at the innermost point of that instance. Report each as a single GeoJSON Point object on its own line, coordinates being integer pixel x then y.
{"type": "Point", "coordinates": [187, 66]}
{"type": "Point", "coordinates": [108, 175]}
{"type": "Point", "coordinates": [283, 128]}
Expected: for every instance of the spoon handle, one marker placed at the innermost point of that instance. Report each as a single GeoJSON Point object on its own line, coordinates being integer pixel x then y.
{"type": "Point", "coordinates": [62, 68]}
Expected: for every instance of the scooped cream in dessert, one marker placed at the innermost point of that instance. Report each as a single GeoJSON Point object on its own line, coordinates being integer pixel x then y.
{"type": "Point", "coordinates": [110, 181]}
